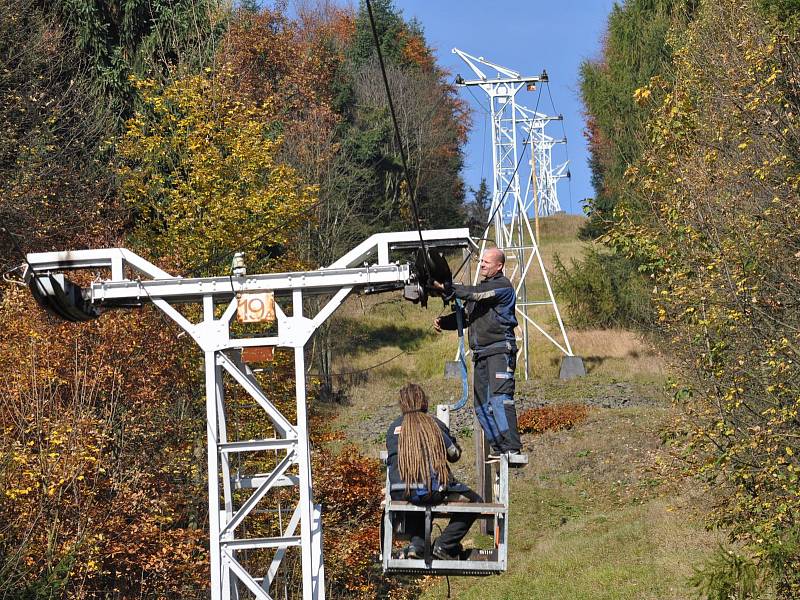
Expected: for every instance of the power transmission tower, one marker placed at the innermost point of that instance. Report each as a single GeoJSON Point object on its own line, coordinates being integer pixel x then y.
{"type": "Point", "coordinates": [509, 216]}
{"type": "Point", "coordinates": [541, 195]}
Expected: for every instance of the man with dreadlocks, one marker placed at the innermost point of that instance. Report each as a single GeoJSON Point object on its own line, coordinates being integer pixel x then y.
{"type": "Point", "coordinates": [419, 447]}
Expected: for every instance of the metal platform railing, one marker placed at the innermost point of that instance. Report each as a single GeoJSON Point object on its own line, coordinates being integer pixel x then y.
{"type": "Point", "coordinates": [474, 562]}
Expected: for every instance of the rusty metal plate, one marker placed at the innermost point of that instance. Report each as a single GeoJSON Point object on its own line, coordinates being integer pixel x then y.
{"type": "Point", "coordinates": [256, 308]}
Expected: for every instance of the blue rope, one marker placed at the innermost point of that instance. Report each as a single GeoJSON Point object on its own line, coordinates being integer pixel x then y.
{"type": "Point", "coordinates": [462, 357]}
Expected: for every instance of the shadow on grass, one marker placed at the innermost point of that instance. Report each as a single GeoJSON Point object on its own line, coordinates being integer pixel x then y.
{"type": "Point", "coordinates": [592, 362]}
{"type": "Point", "coordinates": [352, 336]}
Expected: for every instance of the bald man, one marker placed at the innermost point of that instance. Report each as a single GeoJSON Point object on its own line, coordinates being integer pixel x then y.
{"type": "Point", "coordinates": [491, 319]}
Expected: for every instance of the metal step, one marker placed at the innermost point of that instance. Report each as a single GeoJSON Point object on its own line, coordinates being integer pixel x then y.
{"type": "Point", "coordinates": [258, 445]}
{"type": "Point", "coordinates": [478, 563]}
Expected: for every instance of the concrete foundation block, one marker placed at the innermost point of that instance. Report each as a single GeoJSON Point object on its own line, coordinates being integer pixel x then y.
{"type": "Point", "coordinates": [571, 367]}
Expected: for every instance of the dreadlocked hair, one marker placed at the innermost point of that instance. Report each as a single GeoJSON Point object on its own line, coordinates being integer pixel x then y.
{"type": "Point", "coordinates": [421, 450]}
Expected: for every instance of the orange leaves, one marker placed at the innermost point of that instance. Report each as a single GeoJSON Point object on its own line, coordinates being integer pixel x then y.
{"type": "Point", "coordinates": [350, 488]}
{"type": "Point", "coordinates": [416, 51]}
{"type": "Point", "coordinates": [349, 484]}
{"type": "Point", "coordinates": [552, 418]}
{"type": "Point", "coordinates": [269, 56]}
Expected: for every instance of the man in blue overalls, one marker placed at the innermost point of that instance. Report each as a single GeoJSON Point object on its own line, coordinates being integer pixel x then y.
{"type": "Point", "coordinates": [490, 316]}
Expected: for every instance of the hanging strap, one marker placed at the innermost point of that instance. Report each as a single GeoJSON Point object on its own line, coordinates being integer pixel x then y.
{"type": "Point", "coordinates": [462, 356]}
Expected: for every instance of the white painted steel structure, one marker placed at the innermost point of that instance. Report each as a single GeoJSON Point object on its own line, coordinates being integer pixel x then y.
{"type": "Point", "coordinates": [547, 175]}
{"type": "Point", "coordinates": [509, 216]}
{"type": "Point", "coordinates": [134, 281]}
{"type": "Point", "coordinates": [541, 191]}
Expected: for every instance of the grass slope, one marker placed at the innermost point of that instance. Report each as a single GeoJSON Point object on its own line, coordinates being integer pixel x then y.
{"type": "Point", "coordinates": [599, 512]}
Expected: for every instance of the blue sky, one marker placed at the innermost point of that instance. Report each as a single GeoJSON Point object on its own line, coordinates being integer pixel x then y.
{"type": "Point", "coordinates": [526, 36]}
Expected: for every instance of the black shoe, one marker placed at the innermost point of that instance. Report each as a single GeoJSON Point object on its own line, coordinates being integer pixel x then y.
{"type": "Point", "coordinates": [412, 551]}
{"type": "Point", "coordinates": [442, 554]}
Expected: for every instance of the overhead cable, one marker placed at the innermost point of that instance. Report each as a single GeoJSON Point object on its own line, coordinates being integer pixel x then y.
{"type": "Point", "coordinates": [566, 144]}
{"type": "Point", "coordinates": [411, 194]}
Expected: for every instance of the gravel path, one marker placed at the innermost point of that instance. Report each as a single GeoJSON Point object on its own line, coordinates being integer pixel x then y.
{"type": "Point", "coordinates": [372, 429]}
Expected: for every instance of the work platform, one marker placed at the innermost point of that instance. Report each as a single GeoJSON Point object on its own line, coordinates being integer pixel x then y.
{"type": "Point", "coordinates": [475, 562]}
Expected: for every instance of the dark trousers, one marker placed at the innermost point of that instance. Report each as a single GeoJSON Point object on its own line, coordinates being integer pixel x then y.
{"type": "Point", "coordinates": [493, 387]}
{"type": "Point", "coordinates": [456, 529]}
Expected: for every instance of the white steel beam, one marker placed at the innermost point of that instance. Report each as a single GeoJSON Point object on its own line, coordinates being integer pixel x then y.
{"type": "Point", "coordinates": [177, 289]}
{"type": "Point", "coordinates": [380, 244]}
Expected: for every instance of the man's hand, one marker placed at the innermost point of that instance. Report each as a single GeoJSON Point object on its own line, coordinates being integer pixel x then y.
{"type": "Point", "coordinates": [437, 286]}
{"type": "Point", "coordinates": [437, 325]}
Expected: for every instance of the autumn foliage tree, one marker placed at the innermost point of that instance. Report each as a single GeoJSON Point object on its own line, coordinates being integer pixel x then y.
{"type": "Point", "coordinates": [718, 233]}
{"type": "Point", "coordinates": [607, 288]}
{"type": "Point", "coordinates": [97, 456]}
{"type": "Point", "coordinates": [200, 175]}
{"type": "Point", "coordinates": [101, 487]}
{"type": "Point", "coordinates": [321, 75]}
{"type": "Point", "coordinates": [186, 132]}
{"type": "Point", "coordinates": [54, 186]}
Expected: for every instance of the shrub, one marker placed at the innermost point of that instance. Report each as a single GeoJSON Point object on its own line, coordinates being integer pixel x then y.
{"type": "Point", "coordinates": [603, 290]}
{"type": "Point", "coordinates": [728, 574]}
{"type": "Point", "coordinates": [721, 177]}
{"type": "Point", "coordinates": [552, 418]}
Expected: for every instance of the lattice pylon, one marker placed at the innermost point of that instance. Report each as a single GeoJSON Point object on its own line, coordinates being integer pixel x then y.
{"type": "Point", "coordinates": [541, 193]}
{"type": "Point", "coordinates": [509, 216]}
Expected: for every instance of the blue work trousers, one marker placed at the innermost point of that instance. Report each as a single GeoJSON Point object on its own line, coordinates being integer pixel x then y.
{"type": "Point", "coordinates": [493, 387]}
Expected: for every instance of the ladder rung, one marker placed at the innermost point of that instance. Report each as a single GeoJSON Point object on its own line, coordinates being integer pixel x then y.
{"type": "Point", "coordinates": [515, 248]}
{"type": "Point", "coordinates": [247, 483]}
{"type": "Point", "coordinates": [256, 543]}
{"type": "Point", "coordinates": [255, 445]}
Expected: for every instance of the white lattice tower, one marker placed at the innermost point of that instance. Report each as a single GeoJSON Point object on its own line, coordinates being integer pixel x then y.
{"type": "Point", "coordinates": [243, 564]}
{"type": "Point", "coordinates": [544, 188]}
{"type": "Point", "coordinates": [509, 217]}
{"type": "Point", "coordinates": [547, 175]}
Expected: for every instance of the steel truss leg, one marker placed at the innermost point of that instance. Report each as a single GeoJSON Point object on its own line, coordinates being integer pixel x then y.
{"type": "Point", "coordinates": [229, 544]}
{"type": "Point", "coordinates": [213, 474]}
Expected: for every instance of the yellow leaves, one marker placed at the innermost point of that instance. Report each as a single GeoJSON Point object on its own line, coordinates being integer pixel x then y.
{"type": "Point", "coordinates": [642, 95]}
{"type": "Point", "coordinates": [773, 76]}
{"type": "Point", "coordinates": [201, 168]}
{"type": "Point", "coordinates": [15, 492]}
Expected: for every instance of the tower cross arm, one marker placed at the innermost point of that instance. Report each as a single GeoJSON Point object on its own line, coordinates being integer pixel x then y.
{"type": "Point", "coordinates": [504, 74]}
{"type": "Point", "coordinates": [178, 289]}
{"type": "Point", "coordinates": [134, 281]}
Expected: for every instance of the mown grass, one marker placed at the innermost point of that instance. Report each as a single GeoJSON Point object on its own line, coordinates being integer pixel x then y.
{"type": "Point", "coordinates": [599, 511]}
{"type": "Point", "coordinates": [592, 518]}
{"type": "Point", "coordinates": [628, 554]}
